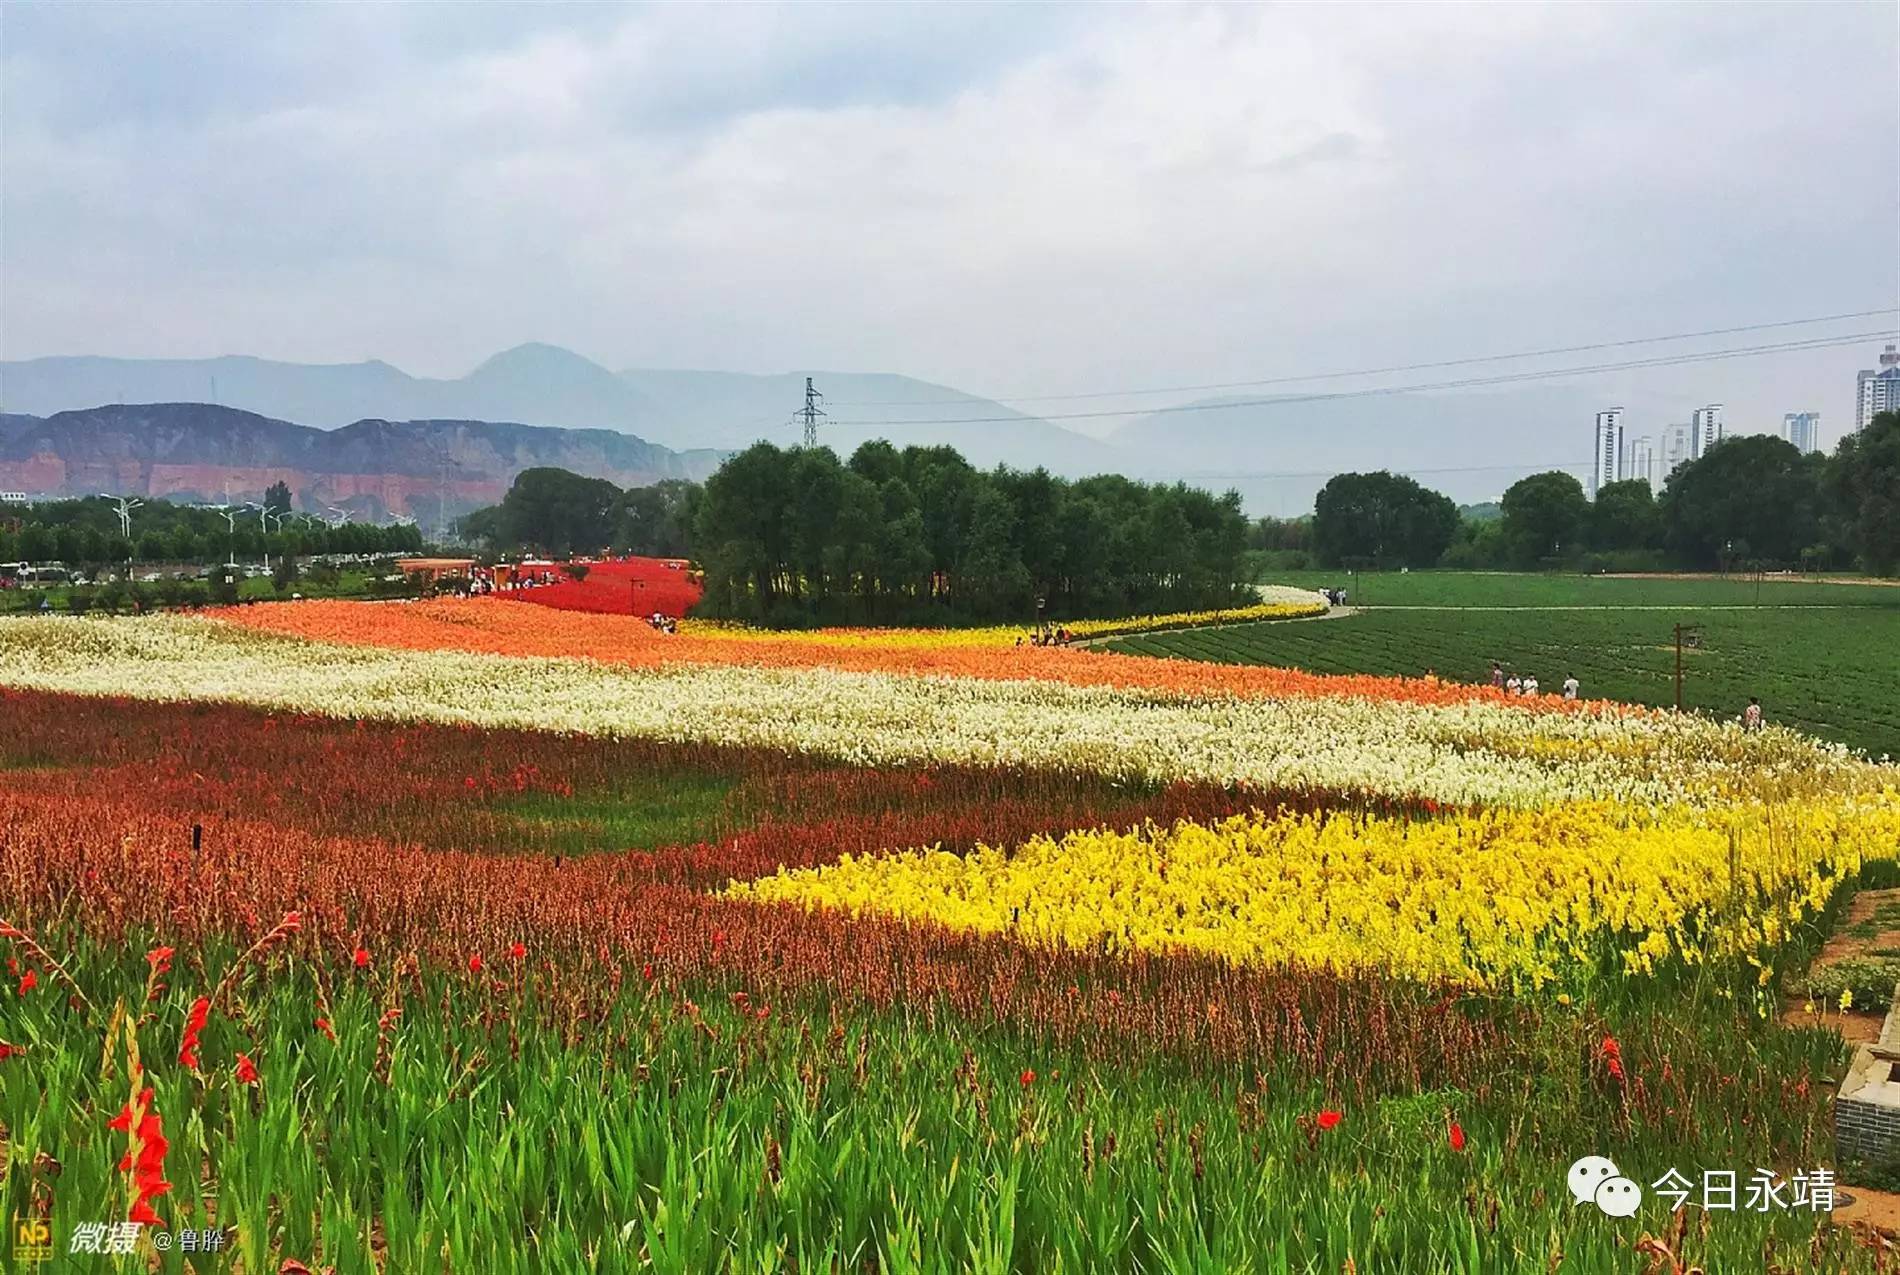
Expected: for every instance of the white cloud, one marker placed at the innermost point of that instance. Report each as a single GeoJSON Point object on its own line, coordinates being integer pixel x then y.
{"type": "Point", "coordinates": [1050, 198]}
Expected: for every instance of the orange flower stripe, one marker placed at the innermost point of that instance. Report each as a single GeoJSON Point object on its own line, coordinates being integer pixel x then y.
{"type": "Point", "coordinates": [489, 626]}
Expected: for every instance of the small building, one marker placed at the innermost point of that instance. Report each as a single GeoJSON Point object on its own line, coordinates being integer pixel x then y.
{"type": "Point", "coordinates": [430, 570]}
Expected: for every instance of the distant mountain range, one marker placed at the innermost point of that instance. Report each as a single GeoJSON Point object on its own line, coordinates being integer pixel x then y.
{"type": "Point", "coordinates": [429, 469]}
{"type": "Point", "coordinates": [1278, 453]}
{"type": "Point", "coordinates": [547, 385]}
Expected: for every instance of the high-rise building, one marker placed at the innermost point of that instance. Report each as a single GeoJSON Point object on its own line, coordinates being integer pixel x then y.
{"type": "Point", "coordinates": [1877, 392]}
{"type": "Point", "coordinates": [1705, 430]}
{"type": "Point", "coordinates": [1606, 462]}
{"type": "Point", "coordinates": [1639, 460]}
{"type": "Point", "coordinates": [1803, 429]}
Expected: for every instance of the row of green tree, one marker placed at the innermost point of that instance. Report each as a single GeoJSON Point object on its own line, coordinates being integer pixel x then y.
{"type": "Point", "coordinates": [1750, 500]}
{"type": "Point", "coordinates": [918, 535]}
{"type": "Point", "coordinates": [88, 531]}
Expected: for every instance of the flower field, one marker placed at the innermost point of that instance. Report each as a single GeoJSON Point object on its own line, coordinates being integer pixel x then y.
{"type": "Point", "coordinates": [619, 586]}
{"type": "Point", "coordinates": [478, 936]}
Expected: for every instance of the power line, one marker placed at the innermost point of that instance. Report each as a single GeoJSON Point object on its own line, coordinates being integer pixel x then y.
{"type": "Point", "coordinates": [1672, 360]}
{"type": "Point", "coordinates": [1228, 476]}
{"type": "Point", "coordinates": [1382, 371]}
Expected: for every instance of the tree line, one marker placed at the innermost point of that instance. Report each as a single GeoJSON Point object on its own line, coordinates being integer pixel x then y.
{"type": "Point", "coordinates": [1749, 501]}
{"type": "Point", "coordinates": [87, 531]}
{"type": "Point", "coordinates": [794, 536]}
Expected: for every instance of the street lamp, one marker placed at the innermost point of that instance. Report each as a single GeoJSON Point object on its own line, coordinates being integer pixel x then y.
{"type": "Point", "coordinates": [230, 521]}
{"type": "Point", "coordinates": [126, 506]}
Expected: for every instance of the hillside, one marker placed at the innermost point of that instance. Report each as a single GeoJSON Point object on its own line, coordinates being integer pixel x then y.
{"type": "Point", "coordinates": [547, 385]}
{"type": "Point", "coordinates": [432, 469]}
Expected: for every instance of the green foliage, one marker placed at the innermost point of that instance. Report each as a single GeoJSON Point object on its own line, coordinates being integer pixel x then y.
{"type": "Point", "coordinates": [1749, 497]}
{"type": "Point", "coordinates": [511, 1124]}
{"type": "Point", "coordinates": [555, 512]}
{"type": "Point", "coordinates": [1625, 516]}
{"type": "Point", "coordinates": [1381, 519]}
{"type": "Point", "coordinates": [1871, 979]}
{"type": "Point", "coordinates": [640, 813]}
{"type": "Point", "coordinates": [84, 531]}
{"type": "Point", "coordinates": [918, 536]}
{"type": "Point", "coordinates": [657, 521]}
{"type": "Point", "coordinates": [1545, 517]}
{"type": "Point", "coordinates": [1864, 482]}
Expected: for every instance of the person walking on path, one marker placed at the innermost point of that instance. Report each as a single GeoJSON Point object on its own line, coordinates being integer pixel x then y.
{"type": "Point", "coordinates": [1570, 687]}
{"type": "Point", "coordinates": [1751, 716]}
{"type": "Point", "coordinates": [1497, 675]}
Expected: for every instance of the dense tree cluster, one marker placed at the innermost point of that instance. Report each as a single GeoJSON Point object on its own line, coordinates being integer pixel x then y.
{"type": "Point", "coordinates": [1750, 500]}
{"type": "Point", "coordinates": [85, 532]}
{"type": "Point", "coordinates": [917, 535]}
{"type": "Point", "coordinates": [1363, 519]}
{"type": "Point", "coordinates": [556, 512]}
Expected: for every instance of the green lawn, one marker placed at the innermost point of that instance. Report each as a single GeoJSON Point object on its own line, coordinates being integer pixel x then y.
{"type": "Point", "coordinates": [1833, 671]}
{"type": "Point", "coordinates": [671, 809]}
{"type": "Point", "coordinates": [1504, 588]}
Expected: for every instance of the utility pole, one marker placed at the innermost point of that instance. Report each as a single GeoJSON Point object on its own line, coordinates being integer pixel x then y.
{"type": "Point", "coordinates": [1689, 631]}
{"type": "Point", "coordinates": [811, 413]}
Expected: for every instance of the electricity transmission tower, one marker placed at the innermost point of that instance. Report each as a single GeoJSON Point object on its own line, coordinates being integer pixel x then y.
{"type": "Point", "coordinates": [811, 413]}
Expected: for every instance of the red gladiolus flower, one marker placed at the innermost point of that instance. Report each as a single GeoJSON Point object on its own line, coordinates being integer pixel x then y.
{"type": "Point", "coordinates": [323, 1025]}
{"type": "Point", "coordinates": [1613, 1057]}
{"type": "Point", "coordinates": [28, 981]}
{"type": "Point", "coordinates": [1028, 1077]}
{"type": "Point", "coordinates": [646, 972]}
{"type": "Point", "coordinates": [518, 951]}
{"type": "Point", "coordinates": [1457, 1136]}
{"type": "Point", "coordinates": [147, 1163]}
{"type": "Point", "coordinates": [160, 959]}
{"type": "Point", "coordinates": [475, 963]}
{"type": "Point", "coordinates": [194, 1024]}
{"type": "Point", "coordinates": [360, 958]}
{"type": "Point", "coordinates": [7, 1051]}
{"type": "Point", "coordinates": [1329, 1119]}
{"type": "Point", "coordinates": [246, 1070]}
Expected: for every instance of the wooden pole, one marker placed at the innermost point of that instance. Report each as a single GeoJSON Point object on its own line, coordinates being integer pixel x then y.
{"type": "Point", "coordinates": [1678, 668]}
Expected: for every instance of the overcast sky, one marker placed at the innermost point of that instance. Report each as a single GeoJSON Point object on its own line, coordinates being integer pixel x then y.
{"type": "Point", "coordinates": [1008, 200]}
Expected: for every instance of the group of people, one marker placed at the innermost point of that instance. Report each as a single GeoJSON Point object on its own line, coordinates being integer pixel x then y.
{"type": "Point", "coordinates": [1334, 597]}
{"type": "Point", "coordinates": [1048, 637]}
{"type": "Point", "coordinates": [663, 622]}
{"type": "Point", "coordinates": [1527, 684]}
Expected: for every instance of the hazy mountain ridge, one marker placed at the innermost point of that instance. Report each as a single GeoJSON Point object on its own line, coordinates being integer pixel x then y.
{"type": "Point", "coordinates": [378, 468]}
{"type": "Point", "coordinates": [1278, 452]}
{"type": "Point", "coordinates": [548, 385]}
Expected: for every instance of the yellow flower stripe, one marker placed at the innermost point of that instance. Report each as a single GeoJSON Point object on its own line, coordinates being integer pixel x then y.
{"type": "Point", "coordinates": [1001, 635]}
{"type": "Point", "coordinates": [1500, 898]}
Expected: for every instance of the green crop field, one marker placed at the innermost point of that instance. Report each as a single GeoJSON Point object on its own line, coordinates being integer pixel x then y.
{"type": "Point", "coordinates": [1505, 588]}
{"type": "Point", "coordinates": [1831, 669]}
